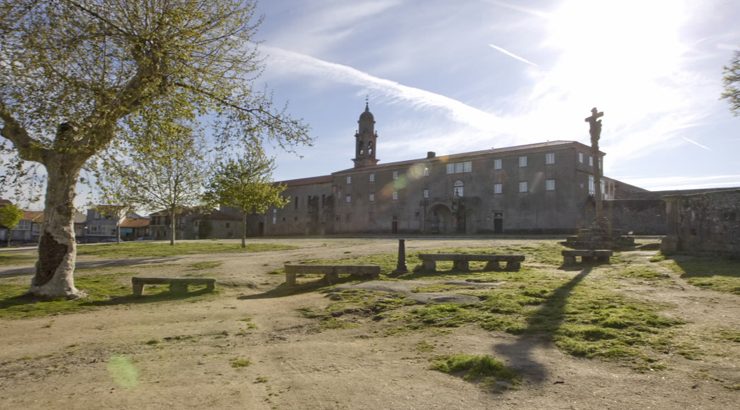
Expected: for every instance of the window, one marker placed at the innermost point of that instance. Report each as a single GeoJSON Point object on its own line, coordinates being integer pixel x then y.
{"type": "Point", "coordinates": [426, 171]}
{"type": "Point", "coordinates": [371, 198]}
{"type": "Point", "coordinates": [274, 216]}
{"type": "Point", "coordinates": [523, 187]}
{"type": "Point", "coordinates": [425, 193]}
{"type": "Point", "coordinates": [496, 164]}
{"type": "Point", "coordinates": [458, 189]}
{"type": "Point", "coordinates": [348, 198]}
{"type": "Point", "coordinates": [295, 204]}
{"type": "Point", "coordinates": [395, 174]}
{"type": "Point", "coordinates": [395, 195]}
{"type": "Point", "coordinates": [349, 180]}
{"type": "Point", "coordinates": [522, 162]}
{"type": "Point", "coordinates": [590, 161]}
{"type": "Point", "coordinates": [460, 167]}
{"type": "Point", "coordinates": [498, 188]}
{"type": "Point", "coordinates": [580, 157]}
{"type": "Point", "coordinates": [549, 184]}
{"type": "Point", "coordinates": [550, 158]}
{"type": "Point", "coordinates": [372, 177]}
{"type": "Point", "coordinates": [591, 185]}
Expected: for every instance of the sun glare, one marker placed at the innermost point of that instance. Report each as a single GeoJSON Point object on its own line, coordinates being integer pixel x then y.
{"type": "Point", "coordinates": [617, 48]}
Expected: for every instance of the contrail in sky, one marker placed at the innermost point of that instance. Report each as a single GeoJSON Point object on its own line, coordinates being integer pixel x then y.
{"type": "Point", "coordinates": [457, 110]}
{"type": "Point", "coordinates": [512, 55]}
{"type": "Point", "coordinates": [697, 144]}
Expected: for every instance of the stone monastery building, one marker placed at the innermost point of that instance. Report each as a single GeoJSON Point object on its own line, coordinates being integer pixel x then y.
{"type": "Point", "coordinates": [537, 188]}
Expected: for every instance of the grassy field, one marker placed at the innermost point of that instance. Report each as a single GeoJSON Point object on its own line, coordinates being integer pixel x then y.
{"type": "Point", "coordinates": [581, 312]}
{"type": "Point", "coordinates": [147, 249]}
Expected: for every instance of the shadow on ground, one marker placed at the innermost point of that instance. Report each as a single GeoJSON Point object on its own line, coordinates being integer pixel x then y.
{"type": "Point", "coordinates": [540, 331]}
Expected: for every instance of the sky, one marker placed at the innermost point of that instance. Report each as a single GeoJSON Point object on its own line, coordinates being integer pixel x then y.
{"type": "Point", "coordinates": [457, 76]}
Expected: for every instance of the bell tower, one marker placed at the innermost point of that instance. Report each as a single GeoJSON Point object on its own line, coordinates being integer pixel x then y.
{"type": "Point", "coordinates": [365, 140]}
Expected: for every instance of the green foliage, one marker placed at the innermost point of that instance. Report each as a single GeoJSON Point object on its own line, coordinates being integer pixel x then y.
{"type": "Point", "coordinates": [731, 81]}
{"type": "Point", "coordinates": [10, 216]}
{"type": "Point", "coordinates": [245, 183]}
{"type": "Point", "coordinates": [476, 368]}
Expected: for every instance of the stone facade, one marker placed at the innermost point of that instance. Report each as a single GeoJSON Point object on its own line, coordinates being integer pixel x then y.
{"type": "Point", "coordinates": [537, 188]}
{"type": "Point", "coordinates": [704, 223]}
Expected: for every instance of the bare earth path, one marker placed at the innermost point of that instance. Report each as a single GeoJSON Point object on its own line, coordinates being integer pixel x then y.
{"type": "Point", "coordinates": [181, 354]}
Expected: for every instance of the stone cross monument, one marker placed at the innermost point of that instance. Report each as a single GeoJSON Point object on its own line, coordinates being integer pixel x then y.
{"type": "Point", "coordinates": [595, 131]}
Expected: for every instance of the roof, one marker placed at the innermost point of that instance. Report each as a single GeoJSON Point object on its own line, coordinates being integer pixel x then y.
{"type": "Point", "coordinates": [324, 179]}
{"type": "Point", "coordinates": [471, 154]}
{"type": "Point", "coordinates": [33, 216]}
{"type": "Point", "coordinates": [134, 223]}
{"type": "Point", "coordinates": [5, 202]}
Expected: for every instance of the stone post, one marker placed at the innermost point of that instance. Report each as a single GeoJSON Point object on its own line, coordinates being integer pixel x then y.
{"type": "Point", "coordinates": [401, 265]}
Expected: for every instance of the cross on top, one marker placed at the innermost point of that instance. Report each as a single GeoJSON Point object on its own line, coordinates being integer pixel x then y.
{"type": "Point", "coordinates": [594, 125]}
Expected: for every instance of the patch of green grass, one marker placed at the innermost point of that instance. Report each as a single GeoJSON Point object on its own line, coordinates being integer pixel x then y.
{"type": "Point", "coordinates": [163, 249]}
{"type": "Point", "coordinates": [17, 258]}
{"type": "Point", "coordinates": [642, 272]}
{"type": "Point", "coordinates": [260, 379]}
{"type": "Point", "coordinates": [101, 289]}
{"type": "Point", "coordinates": [240, 362]}
{"type": "Point", "coordinates": [728, 335]}
{"type": "Point", "coordinates": [715, 273]}
{"type": "Point", "coordinates": [476, 368]}
{"type": "Point", "coordinates": [424, 347]}
{"type": "Point", "coordinates": [205, 265]}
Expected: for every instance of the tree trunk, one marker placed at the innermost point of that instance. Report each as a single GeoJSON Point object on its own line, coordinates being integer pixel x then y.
{"type": "Point", "coordinates": [244, 231]}
{"type": "Point", "coordinates": [172, 226]}
{"type": "Point", "coordinates": [54, 276]}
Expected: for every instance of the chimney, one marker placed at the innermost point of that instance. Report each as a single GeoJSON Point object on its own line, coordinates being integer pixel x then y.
{"type": "Point", "coordinates": [431, 154]}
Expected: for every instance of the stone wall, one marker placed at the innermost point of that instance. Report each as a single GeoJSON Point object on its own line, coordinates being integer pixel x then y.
{"type": "Point", "coordinates": [705, 223]}
{"type": "Point", "coordinates": [639, 216]}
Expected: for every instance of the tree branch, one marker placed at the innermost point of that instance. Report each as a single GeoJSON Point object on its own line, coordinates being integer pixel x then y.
{"type": "Point", "coordinates": [28, 148]}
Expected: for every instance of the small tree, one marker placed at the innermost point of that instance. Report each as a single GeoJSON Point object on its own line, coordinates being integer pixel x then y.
{"type": "Point", "coordinates": [732, 83]}
{"type": "Point", "coordinates": [245, 184]}
{"type": "Point", "coordinates": [157, 163]}
{"type": "Point", "coordinates": [10, 217]}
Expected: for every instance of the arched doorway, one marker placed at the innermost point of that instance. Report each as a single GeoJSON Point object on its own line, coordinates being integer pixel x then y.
{"type": "Point", "coordinates": [440, 219]}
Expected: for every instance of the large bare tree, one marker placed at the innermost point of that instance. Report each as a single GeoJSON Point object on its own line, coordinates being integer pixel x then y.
{"type": "Point", "coordinates": [72, 71]}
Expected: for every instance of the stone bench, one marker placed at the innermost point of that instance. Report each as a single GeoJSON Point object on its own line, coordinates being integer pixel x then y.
{"type": "Point", "coordinates": [586, 255]}
{"type": "Point", "coordinates": [462, 261]}
{"type": "Point", "coordinates": [331, 272]}
{"type": "Point", "coordinates": [177, 285]}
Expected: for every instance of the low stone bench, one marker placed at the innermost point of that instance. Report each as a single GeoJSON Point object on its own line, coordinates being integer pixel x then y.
{"type": "Point", "coordinates": [586, 255]}
{"type": "Point", "coordinates": [331, 272]}
{"type": "Point", "coordinates": [462, 261]}
{"type": "Point", "coordinates": [177, 285]}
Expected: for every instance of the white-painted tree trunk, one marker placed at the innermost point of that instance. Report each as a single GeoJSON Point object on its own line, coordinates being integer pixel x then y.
{"type": "Point", "coordinates": [54, 276]}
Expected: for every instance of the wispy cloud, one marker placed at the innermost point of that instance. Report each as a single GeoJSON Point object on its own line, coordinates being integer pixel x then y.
{"type": "Point", "coordinates": [687, 139]}
{"type": "Point", "coordinates": [526, 10]}
{"type": "Point", "coordinates": [458, 111]}
{"type": "Point", "coordinates": [512, 55]}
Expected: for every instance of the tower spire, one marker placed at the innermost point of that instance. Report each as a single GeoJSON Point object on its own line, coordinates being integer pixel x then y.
{"type": "Point", "coordinates": [365, 139]}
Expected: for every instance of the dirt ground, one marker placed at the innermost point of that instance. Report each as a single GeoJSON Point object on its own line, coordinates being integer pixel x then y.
{"type": "Point", "coordinates": [182, 353]}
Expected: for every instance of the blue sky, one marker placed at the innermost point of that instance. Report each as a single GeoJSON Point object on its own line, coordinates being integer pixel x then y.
{"type": "Point", "coordinates": [456, 76]}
